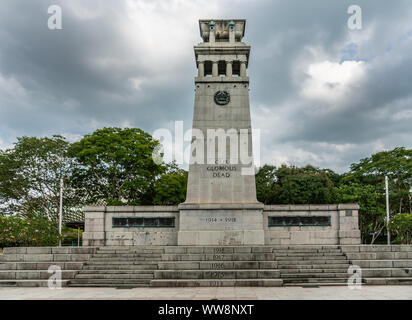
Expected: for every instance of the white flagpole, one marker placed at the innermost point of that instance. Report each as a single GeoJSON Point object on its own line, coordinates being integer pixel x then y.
{"type": "Point", "coordinates": [61, 212]}
{"type": "Point", "coordinates": [387, 209]}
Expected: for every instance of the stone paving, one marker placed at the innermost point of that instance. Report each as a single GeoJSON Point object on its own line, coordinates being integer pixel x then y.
{"type": "Point", "coordinates": [223, 293]}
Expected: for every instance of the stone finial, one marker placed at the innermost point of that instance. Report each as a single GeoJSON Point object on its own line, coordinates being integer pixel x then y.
{"type": "Point", "coordinates": [230, 30]}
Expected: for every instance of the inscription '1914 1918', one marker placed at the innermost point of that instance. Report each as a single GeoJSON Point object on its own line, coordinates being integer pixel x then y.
{"type": "Point", "coordinates": [221, 171]}
{"type": "Point", "coordinates": [220, 219]}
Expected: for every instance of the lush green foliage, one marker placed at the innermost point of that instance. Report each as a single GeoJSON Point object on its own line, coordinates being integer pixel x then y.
{"type": "Point", "coordinates": [23, 232]}
{"type": "Point", "coordinates": [30, 174]}
{"type": "Point", "coordinates": [70, 236]}
{"type": "Point", "coordinates": [292, 185]}
{"type": "Point", "coordinates": [116, 166]}
{"type": "Point", "coordinates": [365, 184]}
{"type": "Point", "coordinates": [401, 226]}
{"type": "Point", "coordinates": [170, 189]}
{"type": "Point", "coordinates": [372, 207]}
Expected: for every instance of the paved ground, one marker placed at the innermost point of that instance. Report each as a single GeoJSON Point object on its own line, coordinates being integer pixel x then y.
{"type": "Point", "coordinates": [247, 293]}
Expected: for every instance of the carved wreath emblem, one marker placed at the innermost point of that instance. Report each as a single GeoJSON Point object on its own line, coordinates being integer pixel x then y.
{"type": "Point", "coordinates": [222, 97]}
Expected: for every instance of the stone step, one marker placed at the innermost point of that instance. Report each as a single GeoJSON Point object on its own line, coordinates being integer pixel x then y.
{"type": "Point", "coordinates": [219, 274]}
{"type": "Point", "coordinates": [246, 249]}
{"type": "Point", "coordinates": [49, 250]}
{"type": "Point", "coordinates": [376, 248]}
{"type": "Point", "coordinates": [125, 255]}
{"type": "Point", "coordinates": [386, 272]}
{"type": "Point", "coordinates": [308, 251]}
{"type": "Point", "coordinates": [125, 262]}
{"type": "Point", "coordinates": [131, 250]}
{"type": "Point", "coordinates": [130, 271]}
{"type": "Point", "coordinates": [315, 275]}
{"type": "Point", "coordinates": [314, 280]}
{"type": "Point", "coordinates": [108, 285]}
{"type": "Point", "coordinates": [306, 254]}
{"type": "Point", "coordinates": [315, 285]}
{"type": "Point", "coordinates": [388, 281]}
{"type": "Point", "coordinates": [308, 270]}
{"type": "Point", "coordinates": [217, 283]}
{"type": "Point", "coordinates": [306, 247]}
{"type": "Point", "coordinates": [311, 258]}
{"type": "Point", "coordinates": [379, 255]}
{"type": "Point", "coordinates": [30, 283]}
{"type": "Point", "coordinates": [110, 281]}
{"type": "Point", "coordinates": [221, 257]}
{"type": "Point", "coordinates": [314, 266]}
{"type": "Point", "coordinates": [121, 267]}
{"type": "Point", "coordinates": [33, 274]}
{"type": "Point", "coordinates": [40, 265]}
{"type": "Point", "coordinates": [312, 262]}
{"type": "Point", "coordinates": [19, 257]}
{"type": "Point", "coordinates": [124, 259]}
{"type": "Point", "coordinates": [114, 276]}
{"type": "Point", "coordinates": [383, 263]}
{"type": "Point", "coordinates": [216, 265]}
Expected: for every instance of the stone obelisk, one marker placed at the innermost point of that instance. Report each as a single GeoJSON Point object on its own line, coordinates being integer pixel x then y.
{"type": "Point", "coordinates": [221, 206]}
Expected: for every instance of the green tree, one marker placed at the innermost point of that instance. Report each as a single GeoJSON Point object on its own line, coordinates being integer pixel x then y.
{"type": "Point", "coordinates": [401, 226]}
{"type": "Point", "coordinates": [267, 189]}
{"type": "Point", "coordinates": [397, 165]}
{"type": "Point", "coordinates": [372, 211]}
{"type": "Point", "coordinates": [117, 166]}
{"type": "Point", "coordinates": [292, 185]}
{"type": "Point", "coordinates": [170, 189]}
{"type": "Point", "coordinates": [30, 178]}
{"type": "Point", "coordinates": [33, 231]}
{"type": "Point", "coordinates": [365, 184]}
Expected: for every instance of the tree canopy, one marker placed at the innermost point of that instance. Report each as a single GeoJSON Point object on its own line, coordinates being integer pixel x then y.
{"type": "Point", "coordinates": [292, 185]}
{"type": "Point", "coordinates": [114, 166]}
{"type": "Point", "coordinates": [30, 176]}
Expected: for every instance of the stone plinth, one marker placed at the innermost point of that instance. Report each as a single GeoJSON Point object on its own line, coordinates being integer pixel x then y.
{"type": "Point", "coordinates": [221, 224]}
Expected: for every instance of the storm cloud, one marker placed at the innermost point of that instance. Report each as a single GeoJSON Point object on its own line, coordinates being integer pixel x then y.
{"type": "Point", "coordinates": [320, 93]}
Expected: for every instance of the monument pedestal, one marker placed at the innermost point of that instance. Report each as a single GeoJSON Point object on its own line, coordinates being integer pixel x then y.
{"type": "Point", "coordinates": [221, 224]}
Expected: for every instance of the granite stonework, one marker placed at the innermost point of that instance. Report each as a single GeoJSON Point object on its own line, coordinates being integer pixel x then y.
{"type": "Point", "coordinates": [196, 266]}
{"type": "Point", "coordinates": [99, 229]}
{"type": "Point", "coordinates": [222, 225]}
{"type": "Point", "coordinates": [221, 207]}
{"type": "Point", "coordinates": [343, 229]}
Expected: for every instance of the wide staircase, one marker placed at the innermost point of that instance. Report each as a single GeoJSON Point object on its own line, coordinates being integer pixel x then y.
{"type": "Point", "coordinates": [312, 266]}
{"type": "Point", "coordinates": [29, 267]}
{"type": "Point", "coordinates": [190, 266]}
{"type": "Point", "coordinates": [119, 267]}
{"type": "Point", "coordinates": [179, 267]}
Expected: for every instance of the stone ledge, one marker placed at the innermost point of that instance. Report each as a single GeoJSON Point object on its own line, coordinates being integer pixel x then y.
{"type": "Point", "coordinates": [141, 208]}
{"type": "Point", "coordinates": [220, 206]}
{"type": "Point", "coordinates": [221, 79]}
{"type": "Point", "coordinates": [311, 207]}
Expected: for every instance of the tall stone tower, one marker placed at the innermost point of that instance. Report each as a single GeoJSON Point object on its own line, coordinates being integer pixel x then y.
{"type": "Point", "coordinates": [221, 206]}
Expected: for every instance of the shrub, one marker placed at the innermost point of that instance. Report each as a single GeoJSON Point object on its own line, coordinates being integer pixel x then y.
{"type": "Point", "coordinates": [27, 232]}
{"type": "Point", "coordinates": [69, 236]}
{"type": "Point", "coordinates": [401, 226]}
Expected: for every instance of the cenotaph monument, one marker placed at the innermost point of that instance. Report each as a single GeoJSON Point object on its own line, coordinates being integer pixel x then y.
{"type": "Point", "coordinates": [221, 205]}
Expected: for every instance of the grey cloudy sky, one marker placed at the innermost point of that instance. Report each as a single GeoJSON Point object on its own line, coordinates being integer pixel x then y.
{"type": "Point", "coordinates": [320, 93]}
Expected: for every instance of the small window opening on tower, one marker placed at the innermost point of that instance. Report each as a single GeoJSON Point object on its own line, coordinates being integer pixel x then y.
{"type": "Point", "coordinates": [208, 68]}
{"type": "Point", "coordinates": [236, 69]}
{"type": "Point", "coordinates": [221, 66]}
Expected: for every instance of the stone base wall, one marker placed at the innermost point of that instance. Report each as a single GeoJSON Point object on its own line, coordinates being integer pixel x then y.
{"type": "Point", "coordinates": [343, 229]}
{"type": "Point", "coordinates": [221, 224]}
{"type": "Point", "coordinates": [99, 230]}
{"type": "Point", "coordinates": [240, 225]}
